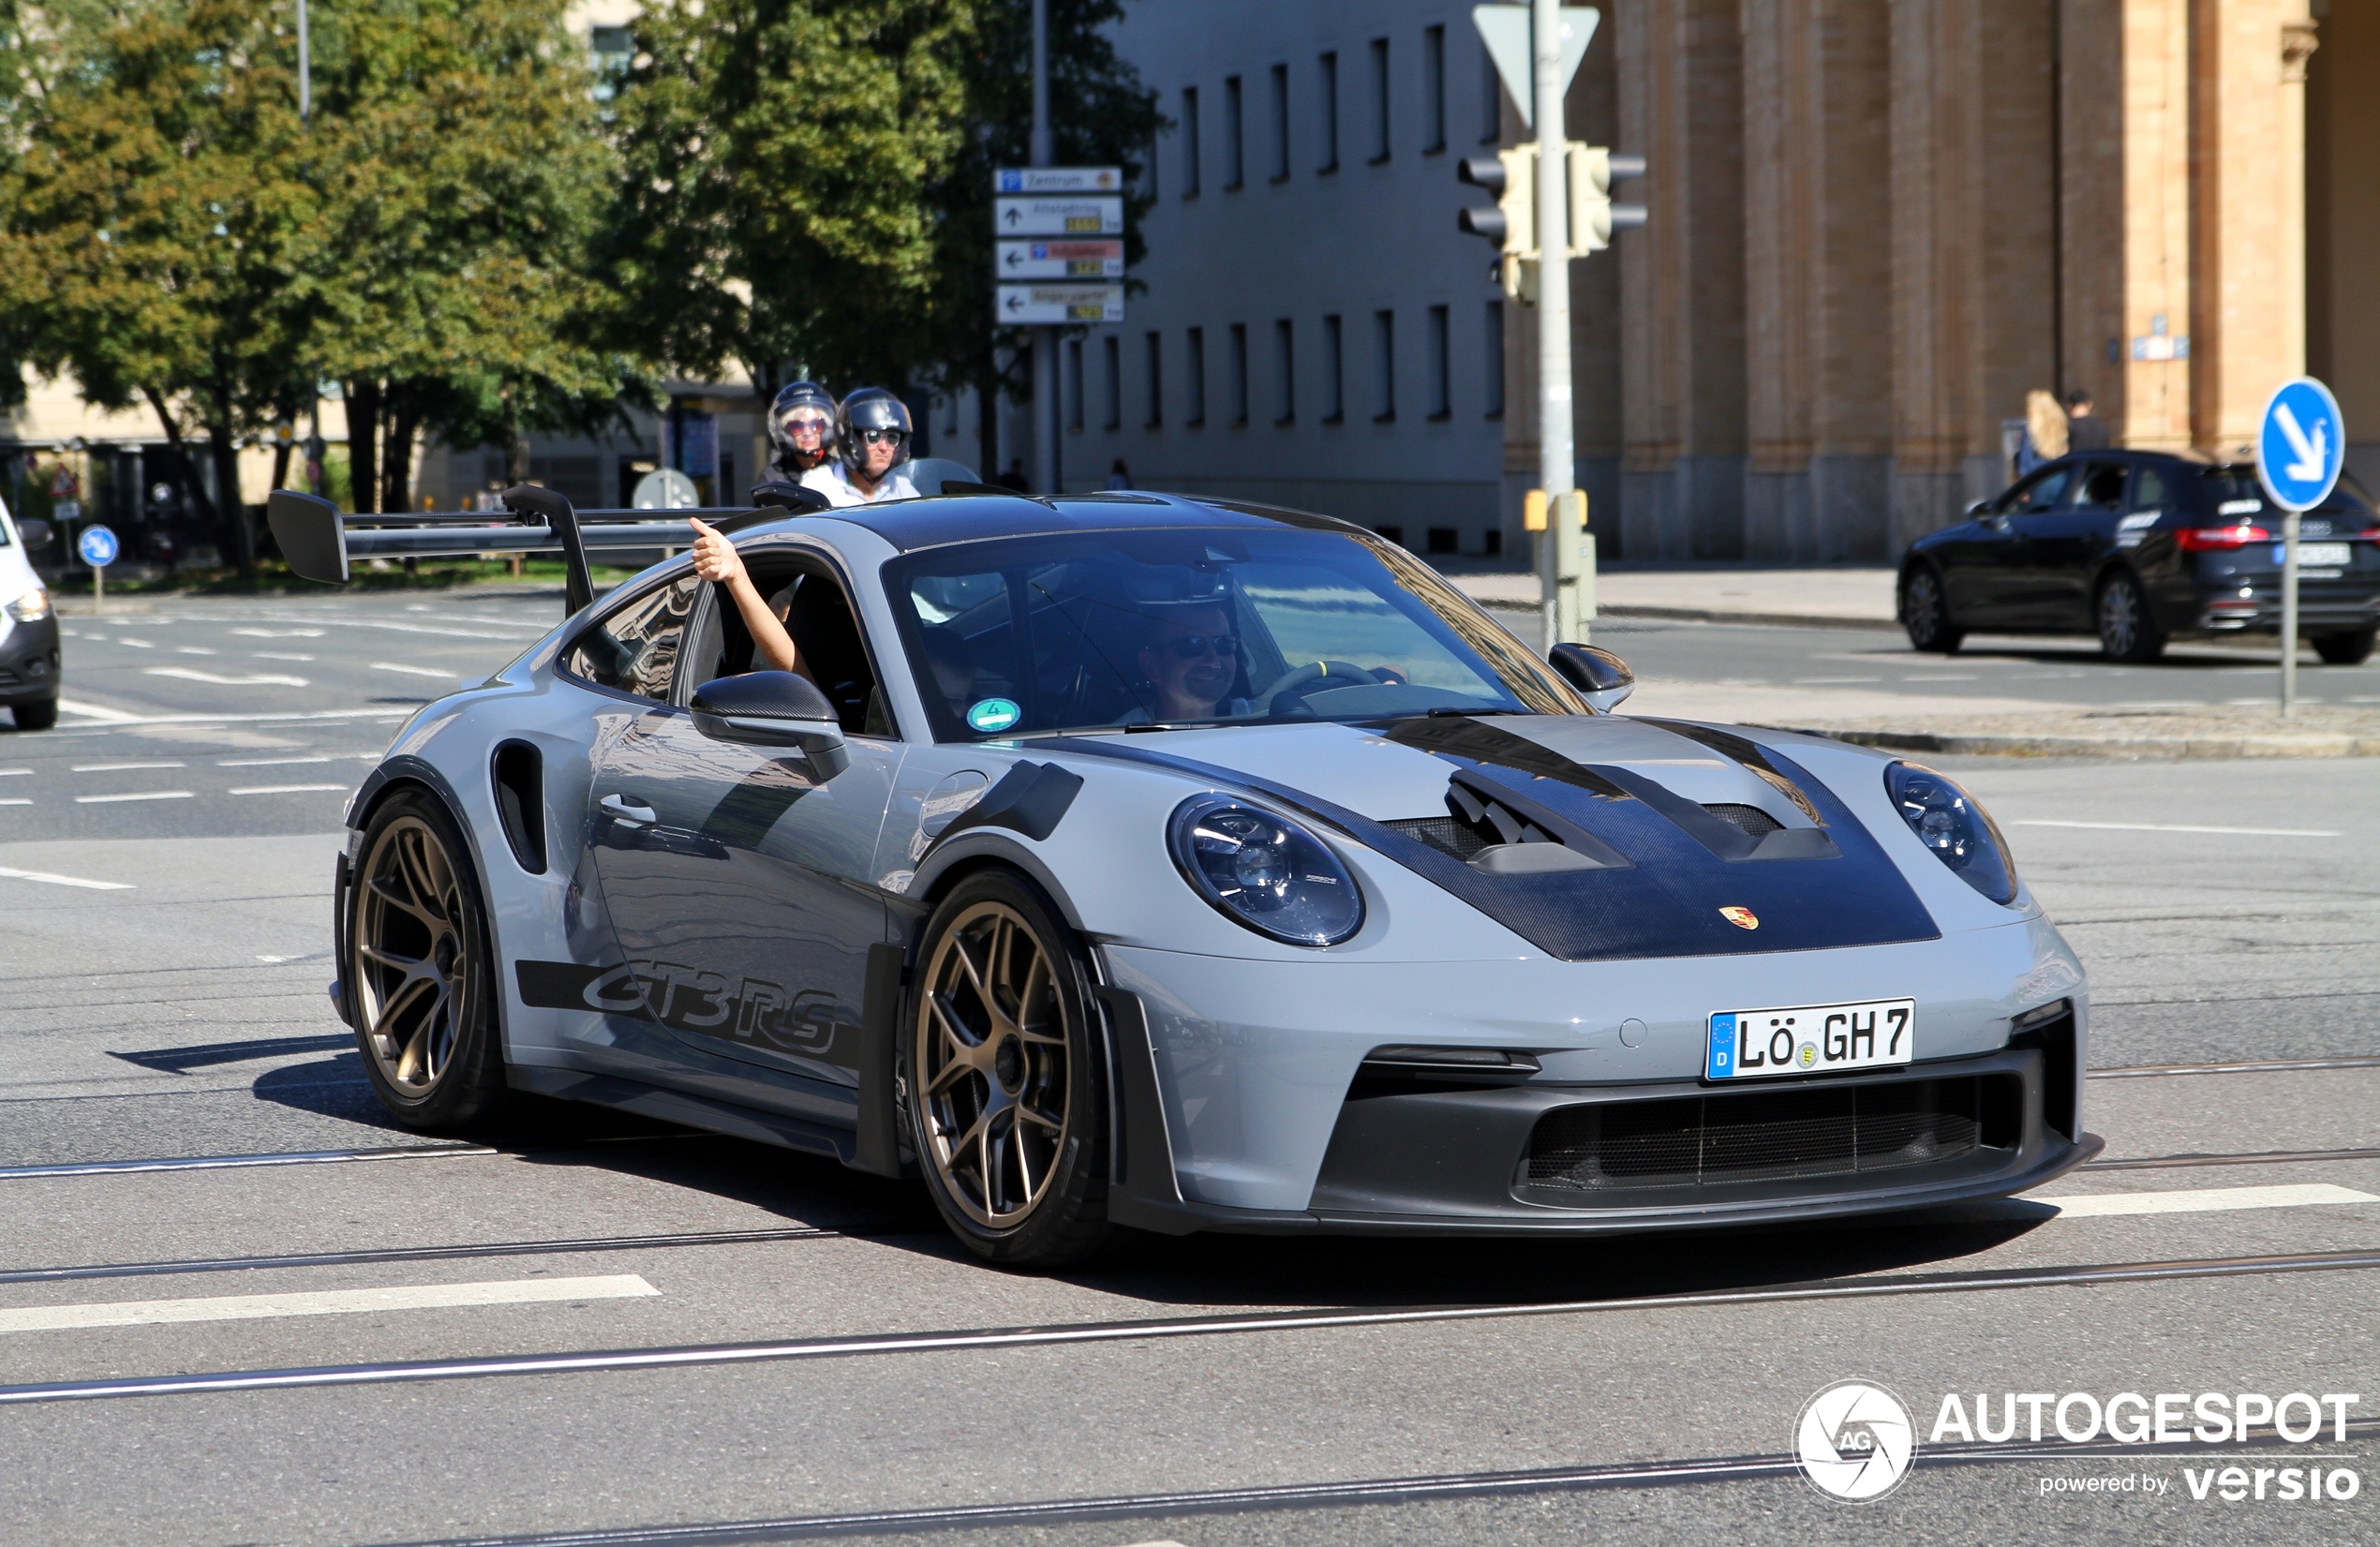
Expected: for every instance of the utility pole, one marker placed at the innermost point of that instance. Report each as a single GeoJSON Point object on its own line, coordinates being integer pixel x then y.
{"type": "Point", "coordinates": [1558, 554]}
{"type": "Point", "coordinates": [1045, 338]}
{"type": "Point", "coordinates": [305, 73]}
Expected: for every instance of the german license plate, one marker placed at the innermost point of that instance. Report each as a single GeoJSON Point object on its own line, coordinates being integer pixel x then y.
{"type": "Point", "coordinates": [1810, 1039]}
{"type": "Point", "coordinates": [2316, 555]}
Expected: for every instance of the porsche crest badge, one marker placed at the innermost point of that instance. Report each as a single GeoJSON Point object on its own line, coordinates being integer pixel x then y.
{"type": "Point", "coordinates": [1742, 918]}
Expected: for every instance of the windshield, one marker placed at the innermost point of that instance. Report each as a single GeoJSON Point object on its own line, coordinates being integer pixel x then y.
{"type": "Point", "coordinates": [1026, 636]}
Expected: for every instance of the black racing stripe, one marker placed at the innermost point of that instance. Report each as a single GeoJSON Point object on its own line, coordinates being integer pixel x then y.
{"type": "Point", "coordinates": [1666, 902]}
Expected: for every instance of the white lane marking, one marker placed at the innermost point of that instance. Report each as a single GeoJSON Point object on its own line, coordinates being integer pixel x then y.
{"type": "Point", "coordinates": [196, 649]}
{"type": "Point", "coordinates": [11, 773]}
{"type": "Point", "coordinates": [17, 801]}
{"type": "Point", "coordinates": [138, 643]}
{"type": "Point", "coordinates": [2177, 828]}
{"type": "Point", "coordinates": [138, 794]}
{"type": "Point", "coordinates": [288, 789]}
{"type": "Point", "coordinates": [2199, 1201]}
{"type": "Point", "coordinates": [1954, 679]}
{"type": "Point", "coordinates": [1824, 681]}
{"type": "Point", "coordinates": [265, 761]}
{"type": "Point", "coordinates": [254, 679]}
{"type": "Point", "coordinates": [279, 633]}
{"type": "Point", "coordinates": [121, 767]}
{"type": "Point", "coordinates": [48, 878]}
{"type": "Point", "coordinates": [278, 655]}
{"type": "Point", "coordinates": [93, 711]}
{"type": "Point", "coordinates": [413, 671]}
{"type": "Point", "coordinates": [419, 1297]}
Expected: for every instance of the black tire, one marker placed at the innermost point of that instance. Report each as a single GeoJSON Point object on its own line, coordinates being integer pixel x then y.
{"type": "Point", "coordinates": [2336, 649]}
{"type": "Point", "coordinates": [39, 715]}
{"type": "Point", "coordinates": [2127, 630]}
{"type": "Point", "coordinates": [1924, 612]}
{"type": "Point", "coordinates": [1008, 1114]}
{"type": "Point", "coordinates": [420, 971]}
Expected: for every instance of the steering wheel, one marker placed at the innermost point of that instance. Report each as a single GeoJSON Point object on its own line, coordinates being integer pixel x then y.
{"type": "Point", "coordinates": [1320, 671]}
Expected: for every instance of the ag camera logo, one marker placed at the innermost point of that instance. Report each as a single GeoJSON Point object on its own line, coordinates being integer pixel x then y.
{"type": "Point", "coordinates": [1854, 1441]}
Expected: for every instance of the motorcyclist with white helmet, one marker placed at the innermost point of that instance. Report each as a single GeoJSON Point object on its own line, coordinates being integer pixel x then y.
{"type": "Point", "coordinates": [872, 438]}
{"type": "Point", "coordinates": [801, 425]}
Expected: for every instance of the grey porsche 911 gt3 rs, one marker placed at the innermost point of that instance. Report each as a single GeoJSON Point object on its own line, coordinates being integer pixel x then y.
{"type": "Point", "coordinates": [1131, 860]}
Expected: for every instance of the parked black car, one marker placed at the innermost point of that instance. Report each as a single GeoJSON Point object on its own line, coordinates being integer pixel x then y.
{"type": "Point", "coordinates": [2139, 546]}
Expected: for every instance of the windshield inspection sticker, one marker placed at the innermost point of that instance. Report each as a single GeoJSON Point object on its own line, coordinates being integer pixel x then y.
{"type": "Point", "coordinates": [993, 714]}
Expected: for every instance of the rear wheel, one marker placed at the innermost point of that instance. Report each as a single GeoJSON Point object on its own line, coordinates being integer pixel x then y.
{"type": "Point", "coordinates": [2336, 649]}
{"type": "Point", "coordinates": [419, 960]}
{"type": "Point", "coordinates": [2126, 632]}
{"type": "Point", "coordinates": [39, 715]}
{"type": "Point", "coordinates": [1926, 614]}
{"type": "Point", "coordinates": [1008, 1102]}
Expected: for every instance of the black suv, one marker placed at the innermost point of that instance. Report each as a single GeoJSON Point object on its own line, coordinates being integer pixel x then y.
{"type": "Point", "coordinates": [2141, 546]}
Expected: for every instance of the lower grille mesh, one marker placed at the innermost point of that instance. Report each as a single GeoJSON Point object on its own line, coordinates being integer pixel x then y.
{"type": "Point", "coordinates": [1747, 1136]}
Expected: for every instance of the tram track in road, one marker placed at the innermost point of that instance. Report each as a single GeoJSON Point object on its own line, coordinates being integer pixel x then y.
{"type": "Point", "coordinates": [1351, 1494]}
{"type": "Point", "coordinates": [1150, 1330]}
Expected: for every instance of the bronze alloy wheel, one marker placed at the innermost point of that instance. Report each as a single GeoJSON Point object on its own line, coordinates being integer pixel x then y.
{"type": "Point", "coordinates": [413, 983]}
{"type": "Point", "coordinates": [991, 1050]}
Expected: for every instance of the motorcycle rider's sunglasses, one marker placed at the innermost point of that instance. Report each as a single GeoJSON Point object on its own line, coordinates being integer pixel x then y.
{"type": "Point", "coordinates": [884, 436]}
{"type": "Point", "coordinates": [813, 422]}
{"type": "Point", "coordinates": [1190, 647]}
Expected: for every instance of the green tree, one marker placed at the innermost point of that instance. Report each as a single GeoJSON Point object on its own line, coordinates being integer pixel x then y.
{"type": "Point", "coordinates": [781, 154]}
{"type": "Point", "coordinates": [149, 221]}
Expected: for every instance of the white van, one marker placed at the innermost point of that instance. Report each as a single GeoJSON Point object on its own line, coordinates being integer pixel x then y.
{"type": "Point", "coordinates": [28, 635]}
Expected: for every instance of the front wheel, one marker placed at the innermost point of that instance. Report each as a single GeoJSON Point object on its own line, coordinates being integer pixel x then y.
{"type": "Point", "coordinates": [1926, 614]}
{"type": "Point", "coordinates": [2126, 632]}
{"type": "Point", "coordinates": [1008, 1099]}
{"type": "Point", "coordinates": [39, 715]}
{"type": "Point", "coordinates": [2336, 649]}
{"type": "Point", "coordinates": [418, 957]}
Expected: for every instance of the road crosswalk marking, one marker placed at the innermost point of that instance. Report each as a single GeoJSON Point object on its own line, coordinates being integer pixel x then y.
{"type": "Point", "coordinates": [2194, 1201]}
{"type": "Point", "coordinates": [146, 1313]}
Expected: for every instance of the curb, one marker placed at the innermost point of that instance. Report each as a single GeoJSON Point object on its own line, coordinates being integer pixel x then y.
{"type": "Point", "coordinates": [1707, 614]}
{"type": "Point", "coordinates": [2177, 747]}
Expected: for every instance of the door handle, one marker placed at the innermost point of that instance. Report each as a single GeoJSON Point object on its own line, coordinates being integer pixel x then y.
{"type": "Point", "coordinates": [618, 807]}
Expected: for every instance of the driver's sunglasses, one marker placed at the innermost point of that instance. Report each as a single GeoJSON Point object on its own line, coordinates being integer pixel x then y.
{"type": "Point", "coordinates": [1190, 647]}
{"type": "Point", "coordinates": [884, 436]}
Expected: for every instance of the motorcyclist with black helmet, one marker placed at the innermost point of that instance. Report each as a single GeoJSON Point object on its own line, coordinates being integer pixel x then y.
{"type": "Point", "coordinates": [801, 425]}
{"type": "Point", "coordinates": [872, 438]}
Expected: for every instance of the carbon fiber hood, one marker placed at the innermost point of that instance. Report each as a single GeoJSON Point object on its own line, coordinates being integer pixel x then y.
{"type": "Point", "coordinates": [1593, 838]}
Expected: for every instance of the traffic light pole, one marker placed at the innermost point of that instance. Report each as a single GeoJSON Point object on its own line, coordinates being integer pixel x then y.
{"type": "Point", "coordinates": [1044, 339]}
{"type": "Point", "coordinates": [1558, 552]}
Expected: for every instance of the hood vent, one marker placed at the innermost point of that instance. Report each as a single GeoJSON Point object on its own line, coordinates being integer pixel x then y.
{"type": "Point", "coordinates": [1501, 833]}
{"type": "Point", "coordinates": [1754, 823]}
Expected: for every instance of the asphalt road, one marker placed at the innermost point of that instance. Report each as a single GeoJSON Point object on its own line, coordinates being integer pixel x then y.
{"type": "Point", "coordinates": [770, 1348]}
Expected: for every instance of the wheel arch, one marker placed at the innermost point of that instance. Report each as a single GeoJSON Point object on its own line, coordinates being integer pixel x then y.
{"type": "Point", "coordinates": [980, 849]}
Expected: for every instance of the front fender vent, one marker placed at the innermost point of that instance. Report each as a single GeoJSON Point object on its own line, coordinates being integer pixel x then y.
{"type": "Point", "coordinates": [519, 775]}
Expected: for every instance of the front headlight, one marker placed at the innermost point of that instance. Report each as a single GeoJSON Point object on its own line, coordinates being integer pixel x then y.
{"type": "Point", "coordinates": [32, 607]}
{"type": "Point", "coordinates": [1265, 872]}
{"type": "Point", "coordinates": [1961, 833]}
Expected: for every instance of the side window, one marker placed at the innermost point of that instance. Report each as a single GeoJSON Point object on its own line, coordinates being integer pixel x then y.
{"type": "Point", "coordinates": [2148, 489]}
{"type": "Point", "coordinates": [2044, 493]}
{"type": "Point", "coordinates": [2100, 487]}
{"type": "Point", "coordinates": [635, 649]}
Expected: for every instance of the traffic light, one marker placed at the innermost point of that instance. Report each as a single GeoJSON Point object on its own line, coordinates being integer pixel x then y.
{"type": "Point", "coordinates": [1512, 176]}
{"type": "Point", "coordinates": [1593, 169]}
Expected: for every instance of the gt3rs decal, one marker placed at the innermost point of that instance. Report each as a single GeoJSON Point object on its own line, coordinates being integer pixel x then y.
{"type": "Point", "coordinates": [688, 999]}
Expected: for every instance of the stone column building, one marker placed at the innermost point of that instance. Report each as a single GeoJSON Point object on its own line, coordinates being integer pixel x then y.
{"type": "Point", "coordinates": [1876, 224]}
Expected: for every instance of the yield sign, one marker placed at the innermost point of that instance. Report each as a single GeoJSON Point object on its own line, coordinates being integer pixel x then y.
{"type": "Point", "coordinates": [1505, 29]}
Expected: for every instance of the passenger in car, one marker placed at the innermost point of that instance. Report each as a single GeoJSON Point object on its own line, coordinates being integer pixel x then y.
{"type": "Point", "coordinates": [716, 559]}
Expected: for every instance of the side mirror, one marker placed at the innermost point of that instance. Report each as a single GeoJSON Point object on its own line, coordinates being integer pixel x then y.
{"type": "Point", "coordinates": [773, 710]}
{"type": "Point", "coordinates": [779, 494]}
{"type": "Point", "coordinates": [1603, 679]}
{"type": "Point", "coordinates": [1977, 507]}
{"type": "Point", "coordinates": [37, 534]}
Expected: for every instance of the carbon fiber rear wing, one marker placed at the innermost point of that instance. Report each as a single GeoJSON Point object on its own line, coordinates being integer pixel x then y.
{"type": "Point", "coordinates": [319, 541]}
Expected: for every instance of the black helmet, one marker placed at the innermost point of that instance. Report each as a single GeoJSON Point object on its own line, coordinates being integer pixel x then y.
{"type": "Point", "coordinates": [801, 395]}
{"type": "Point", "coordinates": [869, 408]}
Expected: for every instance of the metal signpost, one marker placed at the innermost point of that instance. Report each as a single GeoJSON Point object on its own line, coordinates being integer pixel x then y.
{"type": "Point", "coordinates": [2300, 447]}
{"type": "Point", "coordinates": [97, 546]}
{"type": "Point", "coordinates": [1057, 261]}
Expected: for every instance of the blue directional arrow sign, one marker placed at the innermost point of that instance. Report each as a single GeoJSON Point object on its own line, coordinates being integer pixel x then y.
{"type": "Point", "coordinates": [2300, 445]}
{"type": "Point", "coordinates": [97, 546]}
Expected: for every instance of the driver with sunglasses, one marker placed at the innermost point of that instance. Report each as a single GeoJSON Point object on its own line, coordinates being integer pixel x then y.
{"type": "Point", "coordinates": [1189, 664]}
{"type": "Point", "coordinates": [872, 438]}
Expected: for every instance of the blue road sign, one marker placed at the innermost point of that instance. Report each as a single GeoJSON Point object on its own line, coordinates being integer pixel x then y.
{"type": "Point", "coordinates": [97, 546]}
{"type": "Point", "coordinates": [2300, 445]}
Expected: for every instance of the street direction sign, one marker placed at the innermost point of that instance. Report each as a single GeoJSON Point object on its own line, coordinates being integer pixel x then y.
{"type": "Point", "coordinates": [97, 546]}
{"type": "Point", "coordinates": [1060, 260]}
{"type": "Point", "coordinates": [1058, 180]}
{"type": "Point", "coordinates": [1022, 303]}
{"type": "Point", "coordinates": [1504, 30]}
{"type": "Point", "coordinates": [2300, 445]}
{"type": "Point", "coordinates": [1058, 215]}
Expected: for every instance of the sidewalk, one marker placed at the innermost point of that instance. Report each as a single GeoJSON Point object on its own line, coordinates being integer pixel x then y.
{"type": "Point", "coordinates": [1839, 597]}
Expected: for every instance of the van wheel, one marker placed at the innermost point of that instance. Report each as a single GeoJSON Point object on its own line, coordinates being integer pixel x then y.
{"type": "Point", "coordinates": [1008, 1095]}
{"type": "Point", "coordinates": [39, 715]}
{"type": "Point", "coordinates": [2336, 649]}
